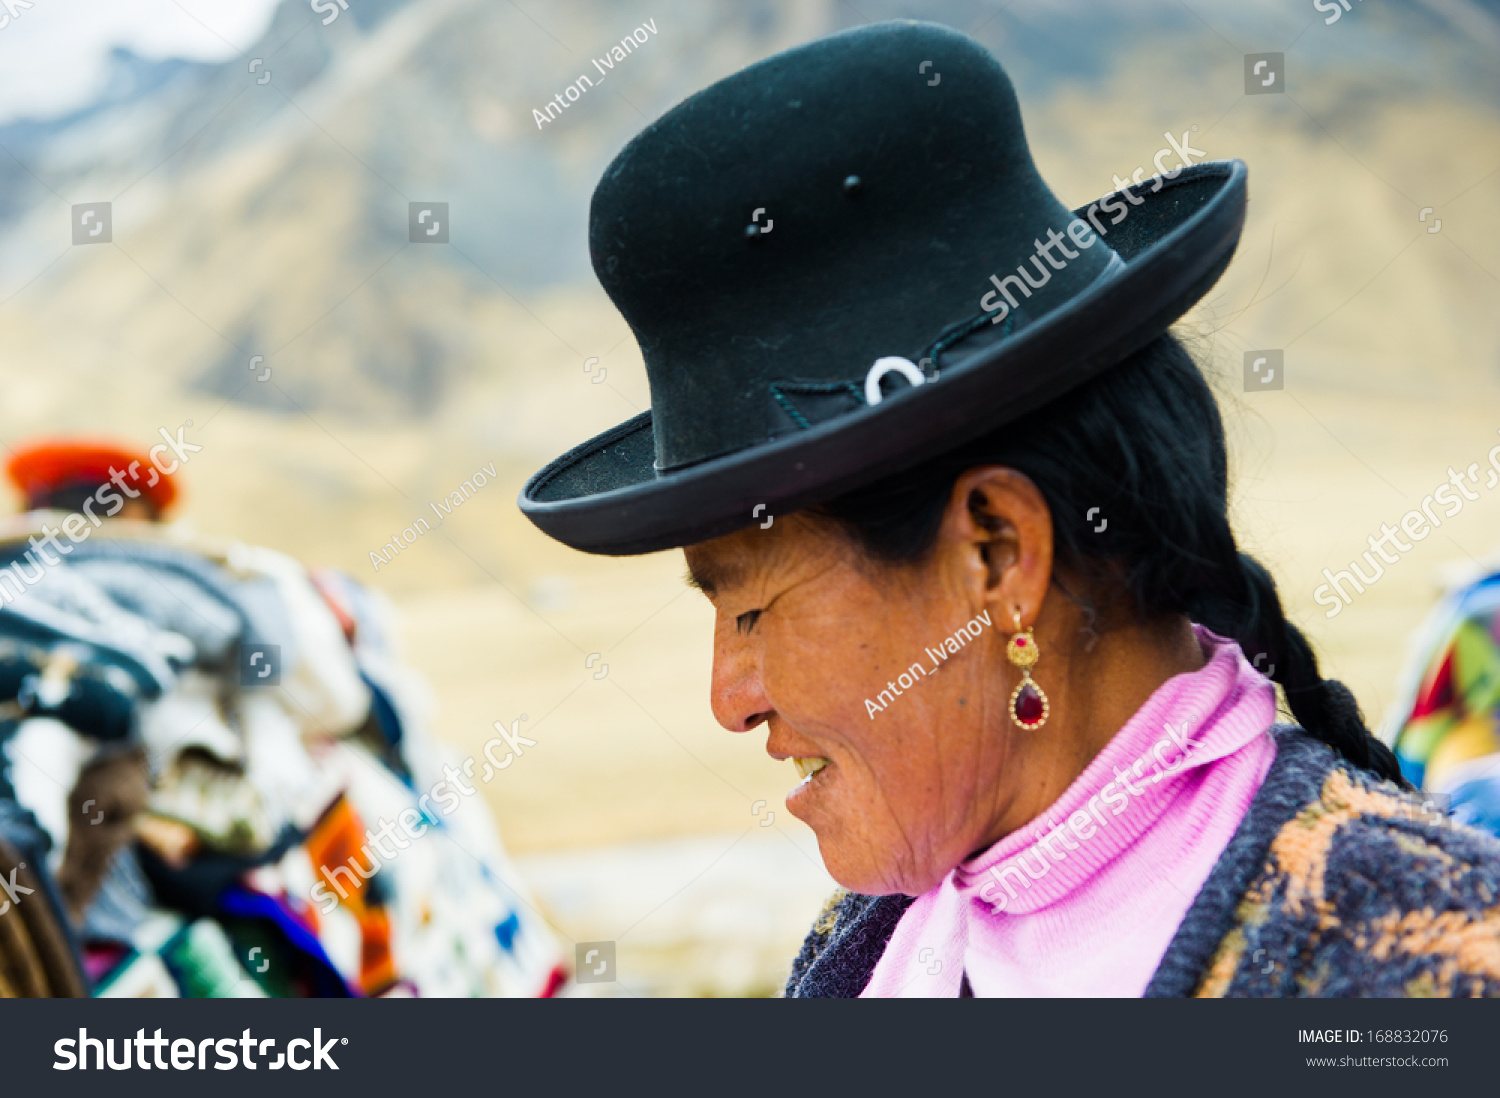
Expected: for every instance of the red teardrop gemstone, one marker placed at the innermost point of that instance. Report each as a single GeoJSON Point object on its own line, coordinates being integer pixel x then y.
{"type": "Point", "coordinates": [1020, 642]}
{"type": "Point", "coordinates": [1029, 707]}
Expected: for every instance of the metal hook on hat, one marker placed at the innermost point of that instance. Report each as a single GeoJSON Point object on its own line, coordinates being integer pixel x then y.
{"type": "Point", "coordinates": [892, 364]}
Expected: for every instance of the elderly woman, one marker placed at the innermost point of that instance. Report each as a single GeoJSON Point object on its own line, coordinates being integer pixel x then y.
{"type": "Point", "coordinates": [959, 501]}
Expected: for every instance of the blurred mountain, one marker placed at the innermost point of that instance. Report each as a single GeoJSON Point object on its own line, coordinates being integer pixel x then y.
{"type": "Point", "coordinates": [260, 205]}
{"type": "Point", "coordinates": [270, 218]}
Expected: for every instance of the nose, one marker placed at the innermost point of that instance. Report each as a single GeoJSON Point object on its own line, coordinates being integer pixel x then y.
{"type": "Point", "coordinates": [738, 693]}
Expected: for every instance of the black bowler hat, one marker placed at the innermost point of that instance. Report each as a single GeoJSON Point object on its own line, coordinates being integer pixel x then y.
{"type": "Point", "coordinates": [841, 261]}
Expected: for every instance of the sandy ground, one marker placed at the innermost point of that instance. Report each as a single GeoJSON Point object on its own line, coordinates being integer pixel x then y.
{"type": "Point", "coordinates": [717, 914]}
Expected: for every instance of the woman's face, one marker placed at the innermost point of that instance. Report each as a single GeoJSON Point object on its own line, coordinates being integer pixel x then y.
{"type": "Point", "coordinates": [812, 638]}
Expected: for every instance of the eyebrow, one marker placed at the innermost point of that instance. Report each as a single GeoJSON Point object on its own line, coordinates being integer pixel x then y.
{"type": "Point", "coordinates": [711, 577]}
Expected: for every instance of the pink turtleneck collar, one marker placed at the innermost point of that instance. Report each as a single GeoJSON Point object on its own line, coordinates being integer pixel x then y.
{"type": "Point", "coordinates": [1085, 899]}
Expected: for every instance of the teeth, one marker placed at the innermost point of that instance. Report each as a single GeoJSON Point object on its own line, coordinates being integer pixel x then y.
{"type": "Point", "coordinates": [806, 768]}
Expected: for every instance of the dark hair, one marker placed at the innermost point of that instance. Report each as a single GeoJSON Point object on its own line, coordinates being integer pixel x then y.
{"type": "Point", "coordinates": [1144, 444]}
{"type": "Point", "coordinates": [70, 495]}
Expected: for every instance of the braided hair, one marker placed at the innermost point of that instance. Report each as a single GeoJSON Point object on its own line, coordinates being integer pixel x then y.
{"type": "Point", "coordinates": [1144, 443]}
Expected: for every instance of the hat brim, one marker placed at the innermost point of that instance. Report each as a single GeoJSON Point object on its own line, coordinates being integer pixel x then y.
{"type": "Point", "coordinates": [606, 497]}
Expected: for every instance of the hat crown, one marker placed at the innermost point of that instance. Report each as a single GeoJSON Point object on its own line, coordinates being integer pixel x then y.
{"type": "Point", "coordinates": [774, 235]}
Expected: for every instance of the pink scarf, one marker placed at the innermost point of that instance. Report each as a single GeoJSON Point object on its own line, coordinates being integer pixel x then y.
{"type": "Point", "coordinates": [1084, 900]}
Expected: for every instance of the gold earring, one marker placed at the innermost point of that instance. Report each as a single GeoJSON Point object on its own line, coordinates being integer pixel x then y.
{"type": "Point", "coordinates": [1028, 704]}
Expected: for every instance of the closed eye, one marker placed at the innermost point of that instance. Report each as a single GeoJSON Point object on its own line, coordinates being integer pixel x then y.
{"type": "Point", "coordinates": [746, 621]}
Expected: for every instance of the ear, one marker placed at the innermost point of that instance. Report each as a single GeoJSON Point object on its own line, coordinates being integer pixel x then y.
{"type": "Point", "coordinates": [997, 533]}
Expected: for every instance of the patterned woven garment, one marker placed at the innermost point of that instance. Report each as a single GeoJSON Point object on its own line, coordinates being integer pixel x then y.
{"type": "Point", "coordinates": [1336, 884]}
{"type": "Point", "coordinates": [1446, 723]}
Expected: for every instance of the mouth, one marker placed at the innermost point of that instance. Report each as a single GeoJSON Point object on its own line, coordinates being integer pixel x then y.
{"type": "Point", "coordinates": [807, 767]}
{"type": "Point", "coordinates": [816, 772]}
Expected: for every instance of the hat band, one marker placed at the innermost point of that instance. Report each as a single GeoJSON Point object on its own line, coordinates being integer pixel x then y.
{"type": "Point", "coordinates": [799, 404]}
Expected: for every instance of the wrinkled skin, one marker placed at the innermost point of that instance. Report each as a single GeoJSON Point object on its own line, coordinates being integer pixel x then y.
{"type": "Point", "coordinates": [808, 628]}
